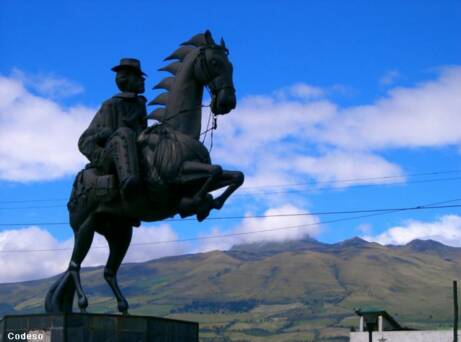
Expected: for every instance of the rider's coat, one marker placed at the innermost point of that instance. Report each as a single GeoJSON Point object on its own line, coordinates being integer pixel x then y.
{"type": "Point", "coordinates": [111, 135]}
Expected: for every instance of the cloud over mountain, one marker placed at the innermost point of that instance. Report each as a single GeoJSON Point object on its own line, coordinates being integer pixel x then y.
{"type": "Point", "coordinates": [446, 229]}
{"type": "Point", "coordinates": [33, 253]}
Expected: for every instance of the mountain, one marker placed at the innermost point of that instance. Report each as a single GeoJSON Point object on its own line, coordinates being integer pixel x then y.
{"type": "Point", "coordinates": [300, 290]}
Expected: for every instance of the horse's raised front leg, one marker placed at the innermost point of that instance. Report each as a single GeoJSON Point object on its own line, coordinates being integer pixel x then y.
{"type": "Point", "coordinates": [83, 239]}
{"type": "Point", "coordinates": [233, 180]}
{"type": "Point", "coordinates": [119, 239]}
{"type": "Point", "coordinates": [201, 203]}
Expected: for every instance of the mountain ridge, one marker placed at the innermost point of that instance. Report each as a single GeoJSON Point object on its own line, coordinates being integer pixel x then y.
{"type": "Point", "coordinates": [275, 291]}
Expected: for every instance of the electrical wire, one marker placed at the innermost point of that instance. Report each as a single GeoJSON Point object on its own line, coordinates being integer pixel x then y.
{"type": "Point", "coordinates": [318, 213]}
{"type": "Point", "coordinates": [430, 205]}
{"type": "Point", "coordinates": [350, 180]}
{"type": "Point", "coordinates": [423, 181]}
{"type": "Point", "coordinates": [253, 193]}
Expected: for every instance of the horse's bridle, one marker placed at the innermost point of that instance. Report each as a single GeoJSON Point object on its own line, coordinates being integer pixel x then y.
{"type": "Point", "coordinates": [209, 79]}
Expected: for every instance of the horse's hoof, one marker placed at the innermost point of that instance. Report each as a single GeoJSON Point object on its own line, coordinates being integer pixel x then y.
{"type": "Point", "coordinates": [83, 304]}
{"type": "Point", "coordinates": [203, 211]}
{"type": "Point", "coordinates": [123, 307]}
{"type": "Point", "coordinates": [217, 204]}
{"type": "Point", "coordinates": [202, 217]}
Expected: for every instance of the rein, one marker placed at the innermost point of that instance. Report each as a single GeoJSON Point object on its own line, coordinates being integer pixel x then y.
{"type": "Point", "coordinates": [208, 128]}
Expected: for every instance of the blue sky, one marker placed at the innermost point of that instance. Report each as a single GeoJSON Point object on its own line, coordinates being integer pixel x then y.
{"type": "Point", "coordinates": [327, 91]}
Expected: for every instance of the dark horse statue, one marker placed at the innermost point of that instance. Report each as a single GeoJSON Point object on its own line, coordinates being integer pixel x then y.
{"type": "Point", "coordinates": [176, 170]}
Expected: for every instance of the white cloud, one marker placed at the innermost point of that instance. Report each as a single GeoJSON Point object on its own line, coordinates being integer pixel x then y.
{"type": "Point", "coordinates": [355, 167]}
{"type": "Point", "coordinates": [20, 266]}
{"type": "Point", "coordinates": [389, 77]}
{"type": "Point", "coordinates": [147, 243]}
{"type": "Point", "coordinates": [161, 233]}
{"type": "Point", "coordinates": [49, 85]}
{"type": "Point", "coordinates": [300, 91]}
{"type": "Point", "coordinates": [298, 137]}
{"type": "Point", "coordinates": [263, 136]}
{"type": "Point", "coordinates": [364, 228]}
{"type": "Point", "coordinates": [447, 230]}
{"type": "Point", "coordinates": [265, 229]}
{"type": "Point", "coordinates": [422, 116]}
{"type": "Point", "coordinates": [287, 140]}
{"type": "Point", "coordinates": [38, 138]}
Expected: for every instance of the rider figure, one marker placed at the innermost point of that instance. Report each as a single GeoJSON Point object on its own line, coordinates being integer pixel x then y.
{"type": "Point", "coordinates": [110, 140]}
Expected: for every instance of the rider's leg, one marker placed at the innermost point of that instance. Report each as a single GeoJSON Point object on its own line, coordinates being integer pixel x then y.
{"type": "Point", "coordinates": [123, 150]}
{"type": "Point", "coordinates": [119, 240]}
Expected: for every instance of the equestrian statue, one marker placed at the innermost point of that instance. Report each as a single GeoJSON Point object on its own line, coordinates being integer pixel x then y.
{"type": "Point", "coordinates": [147, 173]}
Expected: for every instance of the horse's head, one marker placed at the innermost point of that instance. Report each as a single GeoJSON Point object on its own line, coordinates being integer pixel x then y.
{"type": "Point", "coordinates": [213, 69]}
{"type": "Point", "coordinates": [199, 62]}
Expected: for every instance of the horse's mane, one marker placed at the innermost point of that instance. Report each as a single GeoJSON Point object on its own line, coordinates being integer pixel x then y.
{"type": "Point", "coordinates": [197, 41]}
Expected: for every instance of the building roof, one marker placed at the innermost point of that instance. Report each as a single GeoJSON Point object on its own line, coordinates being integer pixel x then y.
{"type": "Point", "coordinates": [380, 312]}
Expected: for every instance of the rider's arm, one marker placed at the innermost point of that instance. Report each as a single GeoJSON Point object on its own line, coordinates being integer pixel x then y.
{"type": "Point", "coordinates": [91, 142]}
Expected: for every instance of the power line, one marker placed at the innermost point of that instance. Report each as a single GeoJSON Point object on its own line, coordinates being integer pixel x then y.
{"type": "Point", "coordinates": [349, 180]}
{"type": "Point", "coordinates": [430, 205]}
{"type": "Point", "coordinates": [259, 193]}
{"type": "Point", "coordinates": [343, 187]}
{"type": "Point", "coordinates": [318, 213]}
{"type": "Point", "coordinates": [35, 207]}
{"type": "Point", "coordinates": [35, 200]}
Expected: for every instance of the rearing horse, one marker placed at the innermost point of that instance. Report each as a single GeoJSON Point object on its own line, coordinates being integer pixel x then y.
{"type": "Point", "coordinates": [175, 168]}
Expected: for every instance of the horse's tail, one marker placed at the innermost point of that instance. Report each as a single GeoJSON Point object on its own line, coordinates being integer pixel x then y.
{"type": "Point", "coordinates": [60, 296]}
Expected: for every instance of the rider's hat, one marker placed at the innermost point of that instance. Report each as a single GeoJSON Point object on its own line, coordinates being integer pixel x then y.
{"type": "Point", "coordinates": [129, 64]}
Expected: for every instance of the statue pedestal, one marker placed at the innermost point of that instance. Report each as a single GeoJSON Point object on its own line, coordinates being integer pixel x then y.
{"type": "Point", "coordinates": [90, 327]}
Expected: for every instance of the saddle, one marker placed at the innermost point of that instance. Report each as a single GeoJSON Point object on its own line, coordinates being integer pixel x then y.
{"type": "Point", "coordinates": [91, 187]}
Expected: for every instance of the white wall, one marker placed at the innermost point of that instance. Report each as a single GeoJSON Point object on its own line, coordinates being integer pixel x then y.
{"type": "Point", "coordinates": [405, 336]}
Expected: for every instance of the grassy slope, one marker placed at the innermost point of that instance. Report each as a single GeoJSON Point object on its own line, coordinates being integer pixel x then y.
{"type": "Point", "coordinates": [300, 291]}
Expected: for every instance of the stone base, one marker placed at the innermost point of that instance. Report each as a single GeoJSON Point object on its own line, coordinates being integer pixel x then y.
{"type": "Point", "coordinates": [89, 327]}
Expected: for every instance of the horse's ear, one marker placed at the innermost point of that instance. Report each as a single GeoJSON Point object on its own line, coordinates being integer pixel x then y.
{"type": "Point", "coordinates": [197, 40]}
{"type": "Point", "coordinates": [209, 38]}
{"type": "Point", "coordinates": [223, 43]}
